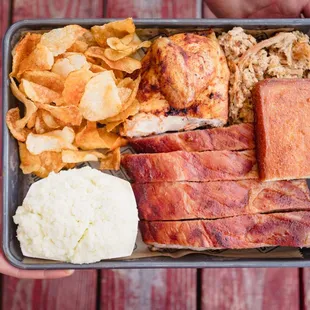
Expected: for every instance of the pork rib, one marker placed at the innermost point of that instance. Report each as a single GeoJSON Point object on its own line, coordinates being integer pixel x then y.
{"type": "Point", "coordinates": [194, 166]}
{"type": "Point", "coordinates": [233, 138]}
{"type": "Point", "coordinates": [210, 200]}
{"type": "Point", "coordinates": [239, 232]}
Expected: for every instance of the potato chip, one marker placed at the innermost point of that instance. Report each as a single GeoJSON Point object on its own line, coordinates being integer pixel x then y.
{"type": "Point", "coordinates": [75, 86]}
{"type": "Point", "coordinates": [12, 116]}
{"type": "Point", "coordinates": [60, 101]}
{"type": "Point", "coordinates": [71, 62]}
{"type": "Point", "coordinates": [37, 92]}
{"type": "Point", "coordinates": [23, 49]}
{"type": "Point", "coordinates": [96, 69]}
{"type": "Point", "coordinates": [111, 160]}
{"type": "Point", "coordinates": [49, 120]}
{"type": "Point", "coordinates": [121, 44]}
{"type": "Point", "coordinates": [69, 156]}
{"type": "Point", "coordinates": [68, 114]}
{"type": "Point", "coordinates": [122, 116]}
{"type": "Point", "coordinates": [100, 99]}
{"type": "Point", "coordinates": [89, 138]}
{"type": "Point", "coordinates": [50, 162]}
{"type": "Point", "coordinates": [111, 139]}
{"type": "Point", "coordinates": [117, 29]}
{"type": "Point", "coordinates": [28, 162]}
{"type": "Point", "coordinates": [48, 79]}
{"type": "Point", "coordinates": [29, 105]}
{"type": "Point", "coordinates": [59, 40]}
{"type": "Point", "coordinates": [32, 120]}
{"type": "Point", "coordinates": [55, 141]}
{"type": "Point", "coordinates": [119, 50]}
{"type": "Point", "coordinates": [83, 43]}
{"type": "Point", "coordinates": [126, 64]}
{"type": "Point", "coordinates": [40, 59]}
{"type": "Point", "coordinates": [39, 126]}
{"type": "Point", "coordinates": [134, 86]}
{"type": "Point", "coordinates": [111, 126]}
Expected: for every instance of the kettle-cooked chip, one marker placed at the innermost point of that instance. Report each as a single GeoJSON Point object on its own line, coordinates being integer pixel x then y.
{"type": "Point", "coordinates": [28, 162]}
{"type": "Point", "coordinates": [120, 48]}
{"type": "Point", "coordinates": [50, 162]}
{"type": "Point", "coordinates": [126, 64]}
{"type": "Point", "coordinates": [39, 124]}
{"type": "Point", "coordinates": [122, 116]}
{"type": "Point", "coordinates": [96, 68]}
{"type": "Point", "coordinates": [100, 99]}
{"type": "Point", "coordinates": [75, 86]}
{"type": "Point", "coordinates": [83, 43]}
{"type": "Point", "coordinates": [111, 160]}
{"type": "Point", "coordinates": [49, 120]}
{"type": "Point", "coordinates": [68, 114]}
{"type": "Point", "coordinates": [69, 156]}
{"type": "Point", "coordinates": [89, 138]}
{"type": "Point", "coordinates": [134, 86]}
{"type": "Point", "coordinates": [70, 62]}
{"type": "Point", "coordinates": [29, 105]}
{"type": "Point", "coordinates": [117, 29]}
{"type": "Point", "coordinates": [23, 49]}
{"type": "Point", "coordinates": [48, 79]}
{"type": "Point", "coordinates": [60, 39]}
{"type": "Point", "coordinates": [111, 139]}
{"type": "Point", "coordinates": [37, 92]}
{"type": "Point", "coordinates": [112, 126]}
{"type": "Point", "coordinates": [40, 59]}
{"type": "Point", "coordinates": [13, 116]}
{"type": "Point", "coordinates": [55, 141]}
{"type": "Point", "coordinates": [32, 120]}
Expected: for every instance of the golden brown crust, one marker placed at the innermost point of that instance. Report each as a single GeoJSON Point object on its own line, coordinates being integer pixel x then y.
{"type": "Point", "coordinates": [210, 200]}
{"type": "Point", "coordinates": [282, 114]}
{"type": "Point", "coordinates": [232, 138]}
{"type": "Point", "coordinates": [189, 73]}
{"type": "Point", "coordinates": [194, 166]}
{"type": "Point", "coordinates": [239, 232]}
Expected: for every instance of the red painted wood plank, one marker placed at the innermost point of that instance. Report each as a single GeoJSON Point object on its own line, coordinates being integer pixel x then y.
{"type": "Point", "coordinates": [76, 292]}
{"type": "Point", "coordinates": [57, 9]}
{"type": "Point", "coordinates": [253, 289]}
{"type": "Point", "coordinates": [154, 8]}
{"type": "Point", "coordinates": [148, 289]}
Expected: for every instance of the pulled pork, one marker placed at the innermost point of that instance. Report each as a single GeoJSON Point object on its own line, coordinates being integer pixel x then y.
{"type": "Point", "coordinates": [285, 55]}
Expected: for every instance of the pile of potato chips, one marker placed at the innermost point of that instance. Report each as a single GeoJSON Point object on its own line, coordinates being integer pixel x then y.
{"type": "Point", "coordinates": [77, 87]}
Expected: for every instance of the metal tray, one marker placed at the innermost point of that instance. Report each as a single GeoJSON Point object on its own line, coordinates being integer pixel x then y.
{"type": "Point", "coordinates": [13, 179]}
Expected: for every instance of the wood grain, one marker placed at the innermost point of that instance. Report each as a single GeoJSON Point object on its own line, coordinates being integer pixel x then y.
{"type": "Point", "coordinates": [250, 289]}
{"type": "Point", "coordinates": [76, 292]}
{"type": "Point", "coordinates": [154, 8]}
{"type": "Point", "coordinates": [148, 289]}
{"type": "Point", "coordinates": [57, 9]}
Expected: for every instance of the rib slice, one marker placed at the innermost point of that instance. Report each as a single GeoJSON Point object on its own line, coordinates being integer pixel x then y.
{"type": "Point", "coordinates": [233, 138]}
{"type": "Point", "coordinates": [211, 200]}
{"type": "Point", "coordinates": [239, 232]}
{"type": "Point", "coordinates": [191, 166]}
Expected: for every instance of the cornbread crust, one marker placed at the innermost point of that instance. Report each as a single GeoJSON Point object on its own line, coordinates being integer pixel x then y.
{"type": "Point", "coordinates": [282, 125]}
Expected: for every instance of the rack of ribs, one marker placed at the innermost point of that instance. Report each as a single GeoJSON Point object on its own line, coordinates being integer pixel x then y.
{"type": "Point", "coordinates": [211, 200]}
{"type": "Point", "coordinates": [233, 138]}
{"type": "Point", "coordinates": [191, 166]}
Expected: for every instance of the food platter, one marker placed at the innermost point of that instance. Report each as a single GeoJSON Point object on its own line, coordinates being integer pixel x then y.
{"type": "Point", "coordinates": [14, 182]}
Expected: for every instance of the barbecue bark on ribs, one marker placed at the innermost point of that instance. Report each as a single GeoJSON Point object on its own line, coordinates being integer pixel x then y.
{"type": "Point", "coordinates": [210, 200]}
{"type": "Point", "coordinates": [194, 166]}
{"type": "Point", "coordinates": [239, 232]}
{"type": "Point", "coordinates": [232, 138]}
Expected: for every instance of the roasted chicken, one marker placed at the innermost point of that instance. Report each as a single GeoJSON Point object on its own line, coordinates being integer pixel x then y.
{"type": "Point", "coordinates": [184, 85]}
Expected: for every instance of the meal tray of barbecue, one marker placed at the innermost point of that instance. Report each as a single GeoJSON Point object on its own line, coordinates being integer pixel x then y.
{"type": "Point", "coordinates": [156, 143]}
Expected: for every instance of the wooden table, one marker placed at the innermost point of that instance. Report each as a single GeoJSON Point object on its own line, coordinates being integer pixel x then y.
{"type": "Point", "coordinates": [146, 289]}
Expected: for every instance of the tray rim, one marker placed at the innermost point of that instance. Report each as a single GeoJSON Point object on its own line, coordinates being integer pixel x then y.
{"type": "Point", "coordinates": [158, 262]}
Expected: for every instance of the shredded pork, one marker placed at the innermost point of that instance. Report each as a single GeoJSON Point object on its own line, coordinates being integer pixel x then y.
{"type": "Point", "coordinates": [285, 55]}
